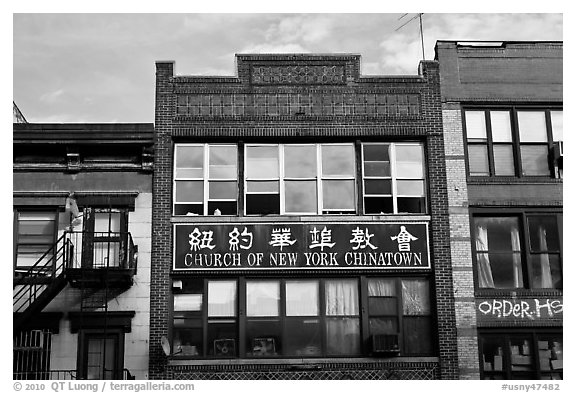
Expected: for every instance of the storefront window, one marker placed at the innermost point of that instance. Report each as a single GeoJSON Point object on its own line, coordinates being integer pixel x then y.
{"type": "Point", "coordinates": [298, 317]}
{"type": "Point", "coordinates": [521, 356]}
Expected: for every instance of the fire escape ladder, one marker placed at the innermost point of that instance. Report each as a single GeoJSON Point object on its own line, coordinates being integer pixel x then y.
{"type": "Point", "coordinates": [35, 287]}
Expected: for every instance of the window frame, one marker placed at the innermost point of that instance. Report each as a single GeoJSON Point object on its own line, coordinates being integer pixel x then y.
{"type": "Point", "coordinates": [525, 251]}
{"type": "Point", "coordinates": [17, 225]}
{"type": "Point", "coordinates": [394, 176]}
{"type": "Point", "coordinates": [506, 335]}
{"type": "Point", "coordinates": [205, 179]}
{"type": "Point", "coordinates": [282, 319]}
{"type": "Point", "coordinates": [516, 141]}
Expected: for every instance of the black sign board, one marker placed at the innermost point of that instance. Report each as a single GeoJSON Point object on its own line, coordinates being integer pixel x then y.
{"type": "Point", "coordinates": [384, 246]}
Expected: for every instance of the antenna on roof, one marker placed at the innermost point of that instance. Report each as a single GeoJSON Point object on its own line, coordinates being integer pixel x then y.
{"type": "Point", "coordinates": [419, 16]}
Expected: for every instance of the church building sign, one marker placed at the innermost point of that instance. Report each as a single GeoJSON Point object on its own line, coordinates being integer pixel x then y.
{"type": "Point", "coordinates": [385, 246]}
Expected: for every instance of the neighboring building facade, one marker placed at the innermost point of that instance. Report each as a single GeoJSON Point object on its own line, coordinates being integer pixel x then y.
{"type": "Point", "coordinates": [82, 240]}
{"type": "Point", "coordinates": [300, 222]}
{"type": "Point", "coordinates": [502, 114]}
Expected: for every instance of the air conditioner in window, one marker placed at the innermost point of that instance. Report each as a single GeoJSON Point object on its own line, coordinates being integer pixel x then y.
{"type": "Point", "coordinates": [385, 344]}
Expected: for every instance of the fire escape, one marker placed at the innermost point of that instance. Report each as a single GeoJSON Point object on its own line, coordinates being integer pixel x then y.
{"type": "Point", "coordinates": [100, 265]}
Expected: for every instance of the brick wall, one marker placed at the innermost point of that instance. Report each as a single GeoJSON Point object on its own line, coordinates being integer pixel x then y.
{"type": "Point", "coordinates": [345, 107]}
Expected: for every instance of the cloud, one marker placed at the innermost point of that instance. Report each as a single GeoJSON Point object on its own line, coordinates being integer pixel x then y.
{"type": "Point", "coordinates": [52, 97]}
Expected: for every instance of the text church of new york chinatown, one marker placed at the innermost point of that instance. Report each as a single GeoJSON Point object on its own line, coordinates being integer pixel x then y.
{"type": "Point", "coordinates": [300, 224]}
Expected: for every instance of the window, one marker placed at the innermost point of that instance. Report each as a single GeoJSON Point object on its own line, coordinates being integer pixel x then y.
{"type": "Point", "coordinates": [101, 355]}
{"type": "Point", "coordinates": [521, 251]}
{"type": "Point", "coordinates": [511, 142]}
{"type": "Point", "coordinates": [272, 317]}
{"type": "Point", "coordinates": [104, 238]}
{"type": "Point", "coordinates": [300, 179]}
{"type": "Point", "coordinates": [205, 179]}
{"type": "Point", "coordinates": [393, 178]}
{"type": "Point", "coordinates": [35, 236]}
{"type": "Point", "coordinates": [31, 359]}
{"type": "Point", "coordinates": [521, 355]}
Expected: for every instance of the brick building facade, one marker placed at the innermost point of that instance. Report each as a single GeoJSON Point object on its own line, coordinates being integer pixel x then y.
{"type": "Point", "coordinates": [300, 221]}
{"type": "Point", "coordinates": [502, 114]}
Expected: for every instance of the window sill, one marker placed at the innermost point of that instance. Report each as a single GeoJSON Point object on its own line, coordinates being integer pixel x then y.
{"type": "Point", "coordinates": [516, 293]}
{"type": "Point", "coordinates": [512, 180]}
{"type": "Point", "coordinates": [288, 219]}
{"type": "Point", "coordinates": [299, 361]}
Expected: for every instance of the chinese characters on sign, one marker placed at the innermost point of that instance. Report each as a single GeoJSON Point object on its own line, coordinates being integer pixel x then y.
{"type": "Point", "coordinates": [293, 246]}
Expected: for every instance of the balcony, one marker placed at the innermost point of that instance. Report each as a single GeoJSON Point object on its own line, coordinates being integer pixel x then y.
{"type": "Point", "coordinates": [101, 258]}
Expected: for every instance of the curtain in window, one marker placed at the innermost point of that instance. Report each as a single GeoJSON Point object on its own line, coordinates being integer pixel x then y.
{"type": "Point", "coordinates": [544, 260]}
{"type": "Point", "coordinates": [516, 257]}
{"type": "Point", "coordinates": [343, 336]}
{"type": "Point", "coordinates": [415, 296]}
{"type": "Point", "coordinates": [381, 287]}
{"type": "Point", "coordinates": [221, 298]}
{"type": "Point", "coordinates": [485, 279]}
{"type": "Point", "coordinates": [341, 297]}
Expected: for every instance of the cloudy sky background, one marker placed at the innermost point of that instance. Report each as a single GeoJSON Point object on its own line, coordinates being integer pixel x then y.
{"type": "Point", "coordinates": [100, 67]}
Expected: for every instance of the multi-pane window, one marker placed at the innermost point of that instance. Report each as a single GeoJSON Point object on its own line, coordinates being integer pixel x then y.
{"type": "Point", "coordinates": [521, 355]}
{"type": "Point", "coordinates": [299, 179]}
{"type": "Point", "coordinates": [519, 251]}
{"type": "Point", "coordinates": [296, 317]}
{"type": "Point", "coordinates": [205, 179]}
{"type": "Point", "coordinates": [512, 142]}
{"type": "Point", "coordinates": [393, 178]}
{"type": "Point", "coordinates": [36, 234]}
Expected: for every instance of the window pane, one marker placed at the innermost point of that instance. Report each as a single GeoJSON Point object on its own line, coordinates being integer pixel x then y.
{"type": "Point", "coordinates": [263, 186]}
{"type": "Point", "coordinates": [263, 337]}
{"type": "Point", "coordinates": [221, 298]}
{"type": "Point", "coordinates": [409, 154]}
{"type": "Point", "coordinates": [543, 233]}
{"type": "Point", "coordinates": [382, 306]}
{"type": "Point", "coordinates": [189, 191]}
{"type": "Point", "coordinates": [418, 336]}
{"type": "Point", "coordinates": [411, 205]}
{"type": "Point", "coordinates": [104, 222]}
{"type": "Point", "coordinates": [546, 271]}
{"type": "Point", "coordinates": [36, 216]}
{"type": "Point", "coordinates": [377, 169]}
{"type": "Point", "coordinates": [378, 187]}
{"type": "Point", "coordinates": [503, 160]}
{"type": "Point", "coordinates": [409, 169]}
{"type": "Point", "coordinates": [222, 208]}
{"type": "Point", "coordinates": [299, 161]}
{"type": "Point", "coordinates": [262, 204]}
{"type": "Point", "coordinates": [410, 187]}
{"type": "Point", "coordinates": [383, 326]}
{"type": "Point", "coordinates": [189, 161]}
{"type": "Point", "coordinates": [222, 338]}
{"type": "Point", "coordinates": [261, 162]}
{"type": "Point", "coordinates": [338, 160]}
{"type": "Point", "coordinates": [301, 298]}
{"type": "Point", "coordinates": [188, 302]}
{"type": "Point", "coordinates": [521, 352]}
{"type": "Point", "coordinates": [475, 125]}
{"type": "Point", "coordinates": [550, 353]}
{"type": "Point", "coordinates": [343, 336]}
{"type": "Point", "coordinates": [415, 297]}
{"type": "Point", "coordinates": [501, 130]}
{"type": "Point", "coordinates": [376, 152]}
{"type": "Point", "coordinates": [303, 337]}
{"type": "Point", "coordinates": [36, 228]}
{"type": "Point", "coordinates": [375, 205]}
{"type": "Point", "coordinates": [262, 298]}
{"type": "Point", "coordinates": [301, 197]}
{"type": "Point", "coordinates": [338, 194]}
{"type": "Point", "coordinates": [532, 126]}
{"type": "Point", "coordinates": [535, 160]}
{"type": "Point", "coordinates": [493, 353]}
{"type": "Point", "coordinates": [222, 189]}
{"type": "Point", "coordinates": [341, 297]}
{"type": "Point", "coordinates": [222, 162]}
{"type": "Point", "coordinates": [187, 341]}
{"type": "Point", "coordinates": [381, 287]}
{"type": "Point", "coordinates": [478, 160]}
{"type": "Point", "coordinates": [557, 125]}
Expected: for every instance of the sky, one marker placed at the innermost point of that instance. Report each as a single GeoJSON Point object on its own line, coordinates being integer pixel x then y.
{"type": "Point", "coordinates": [92, 67]}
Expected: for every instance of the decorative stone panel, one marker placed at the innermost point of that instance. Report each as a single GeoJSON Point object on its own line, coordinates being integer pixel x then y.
{"type": "Point", "coordinates": [298, 75]}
